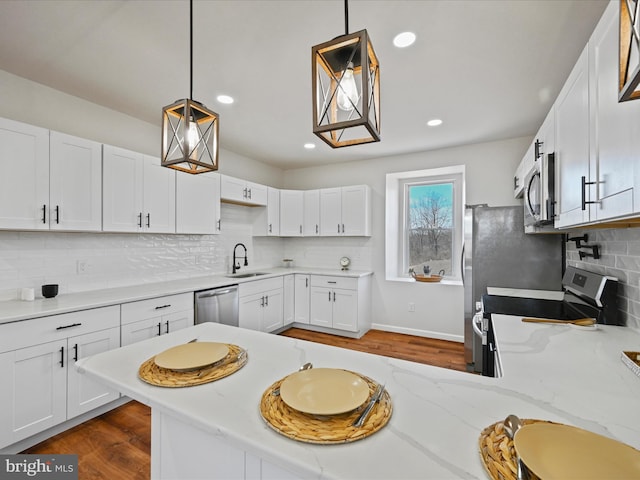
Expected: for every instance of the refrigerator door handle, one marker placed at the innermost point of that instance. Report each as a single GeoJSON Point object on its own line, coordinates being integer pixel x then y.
{"type": "Point", "coordinates": [474, 323]}
{"type": "Point", "coordinates": [462, 258]}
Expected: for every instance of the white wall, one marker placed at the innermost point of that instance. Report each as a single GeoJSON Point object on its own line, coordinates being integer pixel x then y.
{"type": "Point", "coordinates": [439, 308]}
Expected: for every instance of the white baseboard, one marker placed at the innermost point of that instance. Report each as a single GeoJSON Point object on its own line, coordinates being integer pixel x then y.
{"type": "Point", "coordinates": [418, 333]}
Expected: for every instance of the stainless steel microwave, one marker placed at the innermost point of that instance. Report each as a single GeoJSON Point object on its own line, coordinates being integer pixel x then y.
{"type": "Point", "coordinates": [539, 196]}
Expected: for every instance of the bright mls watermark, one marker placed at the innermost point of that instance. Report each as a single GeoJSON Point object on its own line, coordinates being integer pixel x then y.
{"type": "Point", "coordinates": [50, 467]}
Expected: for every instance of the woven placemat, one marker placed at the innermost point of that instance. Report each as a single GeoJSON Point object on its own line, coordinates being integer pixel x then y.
{"type": "Point", "coordinates": [498, 452]}
{"type": "Point", "coordinates": [323, 429]}
{"type": "Point", "coordinates": [164, 377]}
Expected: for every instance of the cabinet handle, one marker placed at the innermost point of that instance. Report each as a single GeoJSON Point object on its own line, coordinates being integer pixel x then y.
{"type": "Point", "coordinates": [316, 228]}
{"type": "Point", "coordinates": [75, 352]}
{"type": "Point", "coordinates": [334, 296]}
{"type": "Point", "coordinates": [306, 283]}
{"type": "Point", "coordinates": [159, 328]}
{"type": "Point", "coordinates": [69, 326]}
{"type": "Point", "coordinates": [343, 228]}
{"type": "Point", "coordinates": [140, 219]}
{"type": "Point", "coordinates": [331, 281]}
{"type": "Point", "coordinates": [538, 150]}
{"type": "Point", "coordinates": [148, 220]}
{"type": "Point", "coordinates": [516, 182]}
{"type": "Point", "coordinates": [57, 214]}
{"type": "Point", "coordinates": [62, 357]}
{"type": "Point", "coordinates": [44, 213]}
{"type": "Point", "coordinates": [338, 228]}
{"type": "Point", "coordinates": [163, 306]}
{"type": "Point", "coordinates": [218, 225]}
{"type": "Point", "coordinates": [269, 228]}
{"type": "Point", "coordinates": [249, 191]}
{"type": "Point", "coordinates": [262, 301]}
{"type": "Point", "coordinates": [244, 193]}
{"type": "Point", "coordinates": [166, 324]}
{"type": "Point", "coordinates": [266, 300]}
{"type": "Point", "coordinates": [300, 229]}
{"type": "Point", "coordinates": [584, 192]}
{"type": "Point", "coordinates": [329, 296]}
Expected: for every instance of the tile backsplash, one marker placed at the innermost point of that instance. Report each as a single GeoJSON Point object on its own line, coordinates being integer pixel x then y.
{"type": "Point", "coordinates": [620, 258]}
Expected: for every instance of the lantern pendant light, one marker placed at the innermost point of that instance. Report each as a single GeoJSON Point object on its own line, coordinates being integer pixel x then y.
{"type": "Point", "coordinates": [189, 129]}
{"type": "Point", "coordinates": [629, 51]}
{"type": "Point", "coordinates": [346, 89]}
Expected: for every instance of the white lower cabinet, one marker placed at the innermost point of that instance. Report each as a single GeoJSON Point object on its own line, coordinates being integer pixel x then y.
{"type": "Point", "coordinates": [288, 299]}
{"type": "Point", "coordinates": [340, 303]}
{"type": "Point", "coordinates": [154, 317]}
{"type": "Point", "coordinates": [41, 387]}
{"type": "Point", "coordinates": [302, 290]}
{"type": "Point", "coordinates": [261, 305]}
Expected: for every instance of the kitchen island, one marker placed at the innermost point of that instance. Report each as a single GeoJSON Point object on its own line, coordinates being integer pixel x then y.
{"type": "Point", "coordinates": [216, 430]}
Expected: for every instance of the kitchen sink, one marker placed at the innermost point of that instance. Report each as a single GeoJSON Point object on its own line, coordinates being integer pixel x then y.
{"type": "Point", "coordinates": [246, 275]}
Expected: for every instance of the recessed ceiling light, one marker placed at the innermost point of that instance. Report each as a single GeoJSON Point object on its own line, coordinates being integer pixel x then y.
{"type": "Point", "coordinates": [309, 146]}
{"type": "Point", "coordinates": [404, 39]}
{"type": "Point", "coordinates": [435, 122]}
{"type": "Point", "coordinates": [226, 99]}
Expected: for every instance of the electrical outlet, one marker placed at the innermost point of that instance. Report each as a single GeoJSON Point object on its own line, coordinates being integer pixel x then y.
{"type": "Point", "coordinates": [82, 266]}
{"type": "Point", "coordinates": [412, 307]}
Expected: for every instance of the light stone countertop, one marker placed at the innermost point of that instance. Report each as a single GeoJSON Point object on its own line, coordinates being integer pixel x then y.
{"type": "Point", "coordinates": [17, 310]}
{"type": "Point", "coordinates": [552, 372]}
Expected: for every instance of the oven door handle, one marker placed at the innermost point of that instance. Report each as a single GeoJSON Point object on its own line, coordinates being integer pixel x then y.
{"type": "Point", "coordinates": [474, 323]}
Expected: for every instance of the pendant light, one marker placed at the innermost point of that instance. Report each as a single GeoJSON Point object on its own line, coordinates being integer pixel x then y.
{"type": "Point", "coordinates": [346, 89]}
{"type": "Point", "coordinates": [629, 50]}
{"type": "Point", "coordinates": [189, 129]}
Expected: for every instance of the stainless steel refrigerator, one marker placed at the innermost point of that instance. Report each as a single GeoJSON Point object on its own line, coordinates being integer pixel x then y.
{"type": "Point", "coordinates": [497, 253]}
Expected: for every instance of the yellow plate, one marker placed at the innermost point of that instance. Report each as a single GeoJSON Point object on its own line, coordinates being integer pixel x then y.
{"type": "Point", "coordinates": [555, 451]}
{"type": "Point", "coordinates": [191, 356]}
{"type": "Point", "coordinates": [324, 391]}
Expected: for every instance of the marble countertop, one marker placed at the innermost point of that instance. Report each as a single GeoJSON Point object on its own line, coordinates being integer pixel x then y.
{"type": "Point", "coordinates": [550, 372]}
{"type": "Point", "coordinates": [16, 310]}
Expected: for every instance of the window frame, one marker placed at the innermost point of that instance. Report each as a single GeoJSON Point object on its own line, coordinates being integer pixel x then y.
{"type": "Point", "coordinates": [396, 218]}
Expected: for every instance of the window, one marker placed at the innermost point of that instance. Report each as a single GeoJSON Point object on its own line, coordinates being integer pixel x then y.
{"type": "Point", "coordinates": [424, 214]}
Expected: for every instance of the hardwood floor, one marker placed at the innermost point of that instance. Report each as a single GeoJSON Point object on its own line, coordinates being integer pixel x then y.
{"type": "Point", "coordinates": [117, 445]}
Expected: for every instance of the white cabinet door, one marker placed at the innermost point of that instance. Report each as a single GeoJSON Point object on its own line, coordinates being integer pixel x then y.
{"type": "Point", "coordinates": [141, 330]}
{"type": "Point", "coordinates": [311, 215]}
{"type": "Point", "coordinates": [288, 300]}
{"type": "Point", "coordinates": [321, 307]}
{"type": "Point", "coordinates": [257, 194]}
{"type": "Point", "coordinates": [272, 317]}
{"type": "Point", "coordinates": [615, 127]}
{"type": "Point", "coordinates": [273, 211]}
{"type": "Point", "coordinates": [75, 183]}
{"type": "Point", "coordinates": [33, 397]}
{"type": "Point", "coordinates": [24, 183]}
{"type": "Point", "coordinates": [237, 190]}
{"type": "Point", "coordinates": [159, 197]}
{"type": "Point", "coordinates": [198, 203]}
{"type": "Point", "coordinates": [250, 311]}
{"type": "Point", "coordinates": [177, 321]}
{"type": "Point", "coordinates": [83, 393]}
{"type": "Point", "coordinates": [356, 210]}
{"type": "Point", "coordinates": [345, 309]}
{"type": "Point", "coordinates": [291, 213]}
{"type": "Point", "coordinates": [330, 211]}
{"type": "Point", "coordinates": [572, 146]}
{"type": "Point", "coordinates": [302, 298]}
{"type": "Point", "coordinates": [122, 197]}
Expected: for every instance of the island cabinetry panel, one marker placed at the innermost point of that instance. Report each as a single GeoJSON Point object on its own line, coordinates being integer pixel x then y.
{"type": "Point", "coordinates": [41, 387]}
{"type": "Point", "coordinates": [139, 195]}
{"type": "Point", "coordinates": [267, 221]}
{"type": "Point", "coordinates": [237, 190]}
{"type": "Point", "coordinates": [340, 303]}
{"type": "Point", "coordinates": [198, 203]}
{"type": "Point", "coordinates": [261, 304]}
{"type": "Point", "coordinates": [345, 211]}
{"type": "Point", "coordinates": [291, 213]}
{"type": "Point", "coordinates": [302, 297]}
{"type": "Point", "coordinates": [154, 317]}
{"type": "Point", "coordinates": [311, 215]}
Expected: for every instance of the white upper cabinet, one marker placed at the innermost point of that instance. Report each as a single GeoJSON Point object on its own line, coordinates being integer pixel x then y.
{"type": "Point", "coordinates": [236, 190]}
{"type": "Point", "coordinates": [614, 127]}
{"type": "Point", "coordinates": [267, 221]}
{"type": "Point", "coordinates": [138, 194]}
{"type": "Point", "coordinates": [24, 183]}
{"type": "Point", "coordinates": [345, 211]}
{"type": "Point", "coordinates": [75, 183]}
{"type": "Point", "coordinates": [198, 203]}
{"type": "Point", "coordinates": [311, 214]}
{"type": "Point", "coordinates": [572, 146]}
{"type": "Point", "coordinates": [291, 213]}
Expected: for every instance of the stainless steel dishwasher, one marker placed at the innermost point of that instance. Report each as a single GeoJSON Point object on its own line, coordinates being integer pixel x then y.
{"type": "Point", "coordinates": [219, 305]}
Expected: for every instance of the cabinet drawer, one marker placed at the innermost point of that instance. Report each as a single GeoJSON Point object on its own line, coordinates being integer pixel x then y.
{"type": "Point", "coordinates": [18, 335]}
{"type": "Point", "coordinates": [259, 286]}
{"type": "Point", "coordinates": [349, 283]}
{"type": "Point", "coordinates": [156, 307]}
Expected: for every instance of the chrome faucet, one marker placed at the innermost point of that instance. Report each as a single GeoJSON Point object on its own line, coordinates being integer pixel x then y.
{"type": "Point", "coordinates": [246, 263]}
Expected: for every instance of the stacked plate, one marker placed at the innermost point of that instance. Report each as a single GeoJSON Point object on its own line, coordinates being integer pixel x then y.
{"type": "Point", "coordinates": [193, 356]}
{"type": "Point", "coordinates": [324, 391]}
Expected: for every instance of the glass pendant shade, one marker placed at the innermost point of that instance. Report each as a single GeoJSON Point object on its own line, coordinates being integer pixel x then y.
{"type": "Point", "coordinates": [189, 137]}
{"type": "Point", "coordinates": [346, 90]}
{"type": "Point", "coordinates": [629, 51]}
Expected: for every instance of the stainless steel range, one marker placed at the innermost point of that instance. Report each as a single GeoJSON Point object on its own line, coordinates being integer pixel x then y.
{"type": "Point", "coordinates": [586, 295]}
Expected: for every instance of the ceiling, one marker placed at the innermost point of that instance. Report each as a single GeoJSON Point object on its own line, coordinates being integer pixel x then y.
{"type": "Point", "coordinates": [489, 69]}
